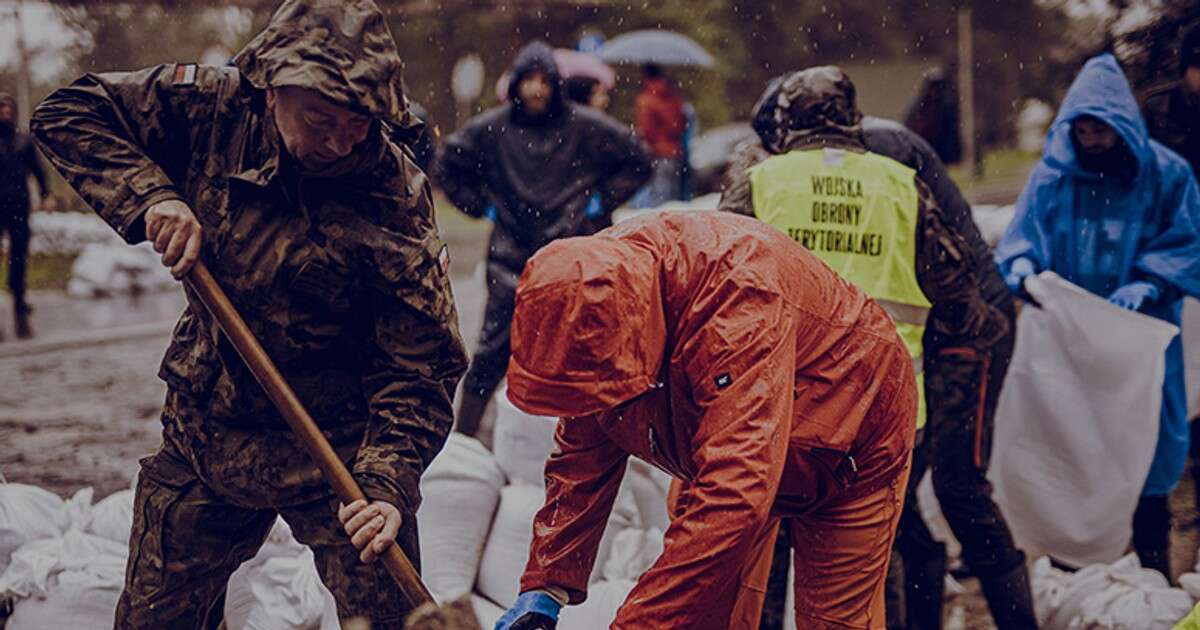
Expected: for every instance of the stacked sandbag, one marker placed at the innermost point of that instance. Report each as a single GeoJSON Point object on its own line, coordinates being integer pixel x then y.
{"type": "Point", "coordinates": [68, 233]}
{"type": "Point", "coordinates": [507, 546]}
{"type": "Point", "coordinates": [105, 270]}
{"type": "Point", "coordinates": [633, 552]}
{"type": "Point", "coordinates": [72, 581]}
{"type": "Point", "coordinates": [112, 517]}
{"type": "Point", "coordinates": [522, 442]}
{"type": "Point", "coordinates": [459, 490]}
{"type": "Point", "coordinates": [1117, 596]}
{"type": "Point", "coordinates": [28, 513]}
{"type": "Point", "coordinates": [279, 589]}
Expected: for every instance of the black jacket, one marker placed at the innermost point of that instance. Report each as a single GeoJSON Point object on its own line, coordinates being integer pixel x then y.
{"type": "Point", "coordinates": [538, 174]}
{"type": "Point", "coordinates": [893, 140]}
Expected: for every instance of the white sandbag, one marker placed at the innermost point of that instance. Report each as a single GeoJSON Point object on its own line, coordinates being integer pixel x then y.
{"type": "Point", "coordinates": [486, 611]}
{"type": "Point", "coordinates": [1077, 422]}
{"type": "Point", "coordinates": [75, 558]}
{"type": "Point", "coordinates": [597, 613]}
{"type": "Point", "coordinates": [279, 589]}
{"type": "Point", "coordinates": [1190, 329]}
{"type": "Point", "coordinates": [625, 515]}
{"type": "Point", "coordinates": [112, 517]}
{"type": "Point", "coordinates": [633, 552]}
{"type": "Point", "coordinates": [507, 547]}
{"type": "Point", "coordinates": [28, 513]}
{"type": "Point", "coordinates": [459, 492]}
{"type": "Point", "coordinates": [66, 606]}
{"type": "Point", "coordinates": [1119, 596]}
{"type": "Point", "coordinates": [521, 442]}
{"type": "Point", "coordinates": [116, 269]}
{"type": "Point", "coordinates": [649, 486]}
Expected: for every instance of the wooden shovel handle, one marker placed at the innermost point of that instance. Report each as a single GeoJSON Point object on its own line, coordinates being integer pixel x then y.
{"type": "Point", "coordinates": [293, 411]}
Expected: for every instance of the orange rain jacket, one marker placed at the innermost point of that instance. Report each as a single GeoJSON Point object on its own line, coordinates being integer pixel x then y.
{"type": "Point", "coordinates": [717, 349]}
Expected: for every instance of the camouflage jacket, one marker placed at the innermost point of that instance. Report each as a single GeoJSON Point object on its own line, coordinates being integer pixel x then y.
{"type": "Point", "coordinates": [343, 281]}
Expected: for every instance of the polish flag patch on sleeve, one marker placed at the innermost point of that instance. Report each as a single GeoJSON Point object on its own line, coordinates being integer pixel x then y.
{"type": "Point", "coordinates": [444, 259]}
{"type": "Point", "coordinates": [185, 74]}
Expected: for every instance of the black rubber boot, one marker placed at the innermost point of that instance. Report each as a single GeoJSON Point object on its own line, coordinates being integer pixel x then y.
{"type": "Point", "coordinates": [1152, 533]}
{"type": "Point", "coordinates": [1010, 599]}
{"type": "Point", "coordinates": [924, 589]}
{"type": "Point", "coordinates": [470, 413]}
{"type": "Point", "coordinates": [21, 311]}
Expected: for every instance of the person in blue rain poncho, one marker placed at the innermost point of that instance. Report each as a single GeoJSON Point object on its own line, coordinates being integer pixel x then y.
{"type": "Point", "coordinates": [1118, 214]}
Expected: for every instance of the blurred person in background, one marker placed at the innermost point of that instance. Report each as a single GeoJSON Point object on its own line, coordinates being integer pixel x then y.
{"type": "Point", "coordinates": [541, 168]}
{"type": "Point", "coordinates": [18, 161]}
{"type": "Point", "coordinates": [934, 116]}
{"type": "Point", "coordinates": [1118, 214]}
{"type": "Point", "coordinates": [587, 91]}
{"type": "Point", "coordinates": [660, 117]}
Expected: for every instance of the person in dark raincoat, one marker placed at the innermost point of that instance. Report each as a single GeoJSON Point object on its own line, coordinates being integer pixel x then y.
{"type": "Point", "coordinates": [541, 168]}
{"type": "Point", "coordinates": [963, 366]}
{"type": "Point", "coordinates": [17, 161]}
{"type": "Point", "coordinates": [1118, 214]}
{"type": "Point", "coordinates": [277, 172]}
{"type": "Point", "coordinates": [717, 349]}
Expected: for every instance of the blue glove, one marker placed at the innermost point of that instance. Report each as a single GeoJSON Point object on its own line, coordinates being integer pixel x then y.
{"type": "Point", "coordinates": [1134, 295]}
{"type": "Point", "coordinates": [594, 209]}
{"type": "Point", "coordinates": [533, 610]}
{"type": "Point", "coordinates": [490, 213]}
{"type": "Point", "coordinates": [1021, 268]}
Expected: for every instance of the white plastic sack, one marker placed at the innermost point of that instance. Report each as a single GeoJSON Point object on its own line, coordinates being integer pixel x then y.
{"type": "Point", "coordinates": [486, 611]}
{"type": "Point", "coordinates": [1077, 422]}
{"type": "Point", "coordinates": [67, 606]}
{"type": "Point", "coordinates": [507, 547]}
{"type": "Point", "coordinates": [459, 492]}
{"type": "Point", "coordinates": [625, 515]}
{"type": "Point", "coordinates": [597, 613]}
{"type": "Point", "coordinates": [28, 513]}
{"type": "Point", "coordinates": [1191, 354]}
{"type": "Point", "coordinates": [634, 551]}
{"type": "Point", "coordinates": [279, 589]}
{"type": "Point", "coordinates": [1120, 596]}
{"type": "Point", "coordinates": [522, 442]}
{"type": "Point", "coordinates": [649, 486]}
{"type": "Point", "coordinates": [112, 517]}
{"type": "Point", "coordinates": [116, 269]}
{"type": "Point", "coordinates": [76, 558]}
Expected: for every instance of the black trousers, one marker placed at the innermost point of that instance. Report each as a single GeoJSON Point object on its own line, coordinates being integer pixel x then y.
{"type": "Point", "coordinates": [14, 221]}
{"type": "Point", "coordinates": [490, 360]}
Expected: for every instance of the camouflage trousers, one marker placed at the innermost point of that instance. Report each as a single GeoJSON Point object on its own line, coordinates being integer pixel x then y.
{"type": "Point", "coordinates": [188, 538]}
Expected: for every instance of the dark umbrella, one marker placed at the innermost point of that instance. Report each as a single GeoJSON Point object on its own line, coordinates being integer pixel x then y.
{"type": "Point", "coordinates": [663, 48]}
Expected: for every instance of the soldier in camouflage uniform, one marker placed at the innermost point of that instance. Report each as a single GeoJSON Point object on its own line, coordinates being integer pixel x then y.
{"type": "Point", "coordinates": [279, 174]}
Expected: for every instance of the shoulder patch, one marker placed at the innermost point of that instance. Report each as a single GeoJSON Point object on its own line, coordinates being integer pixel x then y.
{"type": "Point", "coordinates": [185, 74]}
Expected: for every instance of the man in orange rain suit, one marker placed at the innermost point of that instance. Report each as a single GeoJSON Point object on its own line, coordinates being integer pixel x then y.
{"type": "Point", "coordinates": [719, 350]}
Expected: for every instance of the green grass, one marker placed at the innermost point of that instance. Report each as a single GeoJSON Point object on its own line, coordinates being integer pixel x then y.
{"type": "Point", "coordinates": [1003, 168]}
{"type": "Point", "coordinates": [44, 272]}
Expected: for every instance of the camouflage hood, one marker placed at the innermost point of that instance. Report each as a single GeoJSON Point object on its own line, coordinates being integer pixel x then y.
{"type": "Point", "coordinates": [804, 105]}
{"type": "Point", "coordinates": [340, 48]}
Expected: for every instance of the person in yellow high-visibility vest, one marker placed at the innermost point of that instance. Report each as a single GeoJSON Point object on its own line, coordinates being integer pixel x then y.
{"type": "Point", "coordinates": [874, 220]}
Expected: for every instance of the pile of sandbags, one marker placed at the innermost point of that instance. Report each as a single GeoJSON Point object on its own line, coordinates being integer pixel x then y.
{"type": "Point", "coordinates": [105, 270]}
{"type": "Point", "coordinates": [63, 566]}
{"type": "Point", "coordinates": [68, 233]}
{"type": "Point", "coordinates": [1117, 596]}
{"type": "Point", "coordinates": [476, 521]}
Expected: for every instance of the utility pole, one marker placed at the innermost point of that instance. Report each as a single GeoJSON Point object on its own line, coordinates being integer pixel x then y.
{"type": "Point", "coordinates": [24, 80]}
{"type": "Point", "coordinates": [966, 90]}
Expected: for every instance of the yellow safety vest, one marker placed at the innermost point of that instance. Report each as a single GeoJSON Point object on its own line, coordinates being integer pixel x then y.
{"type": "Point", "coordinates": [858, 212]}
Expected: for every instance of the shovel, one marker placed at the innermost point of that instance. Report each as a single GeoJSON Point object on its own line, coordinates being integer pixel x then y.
{"type": "Point", "coordinates": [302, 424]}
